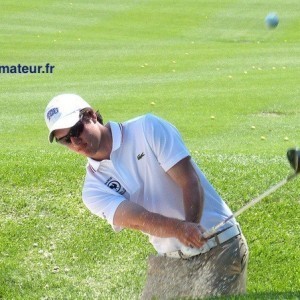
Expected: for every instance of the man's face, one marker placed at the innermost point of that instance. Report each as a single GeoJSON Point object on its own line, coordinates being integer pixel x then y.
{"type": "Point", "coordinates": [83, 138]}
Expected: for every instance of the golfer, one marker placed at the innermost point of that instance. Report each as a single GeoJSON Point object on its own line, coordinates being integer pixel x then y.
{"type": "Point", "coordinates": [141, 176]}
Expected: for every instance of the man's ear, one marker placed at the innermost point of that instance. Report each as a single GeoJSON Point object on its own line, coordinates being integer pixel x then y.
{"type": "Point", "coordinates": [89, 114]}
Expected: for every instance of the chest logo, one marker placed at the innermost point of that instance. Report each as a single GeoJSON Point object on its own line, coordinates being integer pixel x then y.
{"type": "Point", "coordinates": [140, 156]}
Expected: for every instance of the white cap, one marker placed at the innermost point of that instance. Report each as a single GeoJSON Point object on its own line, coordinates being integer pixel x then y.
{"type": "Point", "coordinates": [63, 112]}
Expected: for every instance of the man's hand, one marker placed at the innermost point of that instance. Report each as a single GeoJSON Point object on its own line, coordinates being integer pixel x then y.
{"type": "Point", "coordinates": [190, 234]}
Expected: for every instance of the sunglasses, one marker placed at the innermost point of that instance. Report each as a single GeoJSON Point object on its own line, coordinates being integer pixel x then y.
{"type": "Point", "coordinates": [75, 131]}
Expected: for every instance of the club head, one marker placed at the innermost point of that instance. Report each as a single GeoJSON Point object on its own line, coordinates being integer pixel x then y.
{"type": "Point", "coordinates": [293, 156]}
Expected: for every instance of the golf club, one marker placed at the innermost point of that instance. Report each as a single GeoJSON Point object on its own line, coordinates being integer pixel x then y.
{"type": "Point", "coordinates": [293, 156]}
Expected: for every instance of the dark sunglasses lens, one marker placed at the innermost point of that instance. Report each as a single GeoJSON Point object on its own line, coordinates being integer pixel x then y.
{"type": "Point", "coordinates": [67, 139]}
{"type": "Point", "coordinates": [64, 140]}
{"type": "Point", "coordinates": [75, 131]}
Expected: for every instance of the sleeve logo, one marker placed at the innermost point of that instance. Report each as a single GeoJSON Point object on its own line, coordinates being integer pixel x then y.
{"type": "Point", "coordinates": [115, 185]}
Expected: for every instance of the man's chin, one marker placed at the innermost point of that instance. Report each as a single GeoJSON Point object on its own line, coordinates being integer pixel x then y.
{"type": "Point", "coordinates": [88, 153]}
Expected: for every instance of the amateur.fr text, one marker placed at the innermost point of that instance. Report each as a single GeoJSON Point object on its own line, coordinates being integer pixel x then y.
{"type": "Point", "coordinates": [26, 69]}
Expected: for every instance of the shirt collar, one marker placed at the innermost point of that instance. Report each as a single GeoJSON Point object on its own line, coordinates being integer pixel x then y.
{"type": "Point", "coordinates": [117, 139]}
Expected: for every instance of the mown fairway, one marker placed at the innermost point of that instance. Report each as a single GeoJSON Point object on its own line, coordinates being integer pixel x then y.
{"type": "Point", "coordinates": [230, 85]}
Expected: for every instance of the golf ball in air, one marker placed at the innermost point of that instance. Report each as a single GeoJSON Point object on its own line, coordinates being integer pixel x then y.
{"type": "Point", "coordinates": [272, 20]}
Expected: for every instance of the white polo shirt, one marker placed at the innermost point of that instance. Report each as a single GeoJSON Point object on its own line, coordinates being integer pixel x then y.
{"type": "Point", "coordinates": [144, 149]}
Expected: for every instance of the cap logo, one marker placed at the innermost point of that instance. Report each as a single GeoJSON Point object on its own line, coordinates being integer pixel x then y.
{"type": "Point", "coordinates": [52, 112]}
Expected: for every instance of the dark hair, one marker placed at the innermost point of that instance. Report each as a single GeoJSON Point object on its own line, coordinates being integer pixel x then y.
{"type": "Point", "coordinates": [99, 117]}
{"type": "Point", "coordinates": [88, 112]}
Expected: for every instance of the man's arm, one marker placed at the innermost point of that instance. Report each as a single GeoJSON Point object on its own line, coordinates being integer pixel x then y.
{"type": "Point", "coordinates": [133, 216]}
{"type": "Point", "coordinates": [188, 232]}
{"type": "Point", "coordinates": [185, 176]}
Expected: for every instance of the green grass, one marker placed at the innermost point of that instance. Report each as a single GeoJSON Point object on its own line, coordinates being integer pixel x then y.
{"type": "Point", "coordinates": [194, 60]}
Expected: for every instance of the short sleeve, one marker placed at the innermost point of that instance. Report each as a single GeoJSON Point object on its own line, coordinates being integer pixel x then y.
{"type": "Point", "coordinates": [165, 141]}
{"type": "Point", "coordinates": [100, 199]}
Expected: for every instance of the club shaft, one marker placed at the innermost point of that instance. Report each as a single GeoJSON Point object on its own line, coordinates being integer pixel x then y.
{"type": "Point", "coordinates": [271, 190]}
{"type": "Point", "coordinates": [260, 197]}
